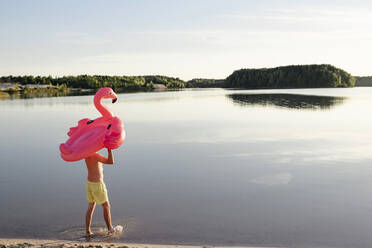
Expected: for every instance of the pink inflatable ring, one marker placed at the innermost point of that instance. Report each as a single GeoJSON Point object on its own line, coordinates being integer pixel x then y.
{"type": "Point", "coordinates": [90, 136]}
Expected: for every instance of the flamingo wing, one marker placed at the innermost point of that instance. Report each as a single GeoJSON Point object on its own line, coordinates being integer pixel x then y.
{"type": "Point", "coordinates": [81, 123]}
{"type": "Point", "coordinates": [115, 134]}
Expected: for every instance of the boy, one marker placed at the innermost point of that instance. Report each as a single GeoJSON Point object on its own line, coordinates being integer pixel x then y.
{"type": "Point", "coordinates": [96, 190]}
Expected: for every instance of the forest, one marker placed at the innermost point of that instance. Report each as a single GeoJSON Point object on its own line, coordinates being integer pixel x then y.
{"type": "Point", "coordinates": [118, 83]}
{"type": "Point", "coordinates": [205, 83]}
{"type": "Point", "coordinates": [363, 81]}
{"type": "Point", "coordinates": [293, 76]}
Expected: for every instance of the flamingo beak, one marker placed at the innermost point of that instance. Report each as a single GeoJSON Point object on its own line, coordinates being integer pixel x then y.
{"type": "Point", "coordinates": [114, 100]}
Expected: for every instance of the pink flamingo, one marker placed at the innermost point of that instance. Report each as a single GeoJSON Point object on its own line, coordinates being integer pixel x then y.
{"type": "Point", "coordinates": [90, 136]}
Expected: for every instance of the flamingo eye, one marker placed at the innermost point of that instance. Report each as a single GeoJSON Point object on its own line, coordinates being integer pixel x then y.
{"type": "Point", "coordinates": [90, 122]}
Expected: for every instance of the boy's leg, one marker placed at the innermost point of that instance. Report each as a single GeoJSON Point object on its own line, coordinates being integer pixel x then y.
{"type": "Point", "coordinates": [107, 215]}
{"type": "Point", "coordinates": [88, 217]}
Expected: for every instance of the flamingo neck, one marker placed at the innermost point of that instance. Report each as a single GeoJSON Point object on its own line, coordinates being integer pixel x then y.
{"type": "Point", "coordinates": [102, 108]}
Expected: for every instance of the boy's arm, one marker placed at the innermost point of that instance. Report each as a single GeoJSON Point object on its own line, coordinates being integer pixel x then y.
{"type": "Point", "coordinates": [108, 160]}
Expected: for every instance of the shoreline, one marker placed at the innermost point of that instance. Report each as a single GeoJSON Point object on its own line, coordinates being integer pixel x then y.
{"type": "Point", "coordinates": [56, 243]}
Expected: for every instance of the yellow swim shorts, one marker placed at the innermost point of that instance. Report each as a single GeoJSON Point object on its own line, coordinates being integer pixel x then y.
{"type": "Point", "coordinates": [96, 192]}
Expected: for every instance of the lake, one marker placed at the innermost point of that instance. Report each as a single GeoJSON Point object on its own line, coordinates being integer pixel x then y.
{"type": "Point", "coordinates": [214, 166]}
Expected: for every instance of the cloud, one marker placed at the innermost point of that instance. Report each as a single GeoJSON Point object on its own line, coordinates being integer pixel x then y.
{"type": "Point", "coordinates": [310, 156]}
{"type": "Point", "coordinates": [306, 14]}
{"type": "Point", "coordinates": [273, 180]}
{"type": "Point", "coordinates": [79, 38]}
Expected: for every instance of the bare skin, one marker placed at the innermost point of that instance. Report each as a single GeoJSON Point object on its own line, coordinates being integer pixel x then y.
{"type": "Point", "coordinates": [95, 174]}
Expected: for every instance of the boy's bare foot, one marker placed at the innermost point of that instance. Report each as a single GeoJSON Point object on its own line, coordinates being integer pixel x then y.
{"type": "Point", "coordinates": [111, 231]}
{"type": "Point", "coordinates": [88, 234]}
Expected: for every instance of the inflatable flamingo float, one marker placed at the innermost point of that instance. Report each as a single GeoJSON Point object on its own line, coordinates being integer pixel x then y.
{"type": "Point", "coordinates": [90, 136]}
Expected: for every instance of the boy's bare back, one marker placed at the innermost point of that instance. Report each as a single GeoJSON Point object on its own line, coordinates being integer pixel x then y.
{"type": "Point", "coordinates": [94, 166]}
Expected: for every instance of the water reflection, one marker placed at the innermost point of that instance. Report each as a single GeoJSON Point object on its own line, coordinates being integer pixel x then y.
{"type": "Point", "coordinates": [43, 94]}
{"type": "Point", "coordinates": [291, 101]}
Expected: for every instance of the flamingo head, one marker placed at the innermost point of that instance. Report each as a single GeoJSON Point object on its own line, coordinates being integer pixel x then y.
{"type": "Point", "coordinates": [106, 93]}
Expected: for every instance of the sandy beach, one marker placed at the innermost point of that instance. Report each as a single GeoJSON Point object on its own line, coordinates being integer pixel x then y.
{"type": "Point", "coordinates": [66, 243]}
{"type": "Point", "coordinates": [45, 243]}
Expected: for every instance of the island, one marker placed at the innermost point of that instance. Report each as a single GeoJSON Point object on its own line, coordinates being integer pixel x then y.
{"type": "Point", "coordinates": [292, 76]}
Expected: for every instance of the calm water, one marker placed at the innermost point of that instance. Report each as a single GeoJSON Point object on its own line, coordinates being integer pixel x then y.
{"type": "Point", "coordinates": [219, 167]}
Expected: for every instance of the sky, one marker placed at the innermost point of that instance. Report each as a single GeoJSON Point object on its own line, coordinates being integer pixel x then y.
{"type": "Point", "coordinates": [181, 38]}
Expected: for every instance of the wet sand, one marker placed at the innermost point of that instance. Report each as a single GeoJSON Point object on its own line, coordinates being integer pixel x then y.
{"type": "Point", "coordinates": [44, 243]}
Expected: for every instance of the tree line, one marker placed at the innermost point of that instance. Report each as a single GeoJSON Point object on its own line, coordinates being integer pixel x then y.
{"type": "Point", "coordinates": [293, 76]}
{"type": "Point", "coordinates": [205, 83]}
{"type": "Point", "coordinates": [363, 81]}
{"type": "Point", "coordinates": [119, 83]}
